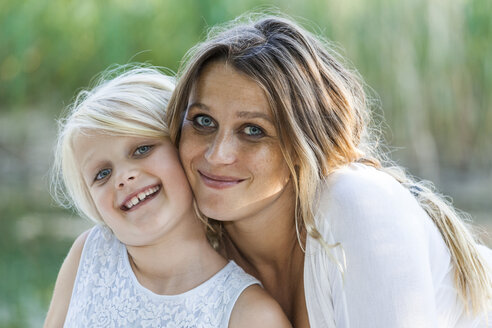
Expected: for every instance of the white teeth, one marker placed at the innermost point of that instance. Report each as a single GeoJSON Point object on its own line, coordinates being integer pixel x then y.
{"type": "Point", "coordinates": [141, 196]}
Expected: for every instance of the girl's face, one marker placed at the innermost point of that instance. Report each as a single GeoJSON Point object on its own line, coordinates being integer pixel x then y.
{"type": "Point", "coordinates": [230, 149]}
{"type": "Point", "coordinates": [137, 184]}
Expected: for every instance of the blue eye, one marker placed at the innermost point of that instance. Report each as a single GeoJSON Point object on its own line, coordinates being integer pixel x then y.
{"type": "Point", "coordinates": [204, 121]}
{"type": "Point", "coordinates": [104, 173]}
{"type": "Point", "coordinates": [142, 150]}
{"type": "Point", "coordinates": [253, 131]}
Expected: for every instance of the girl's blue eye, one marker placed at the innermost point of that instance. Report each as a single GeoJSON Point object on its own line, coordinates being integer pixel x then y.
{"type": "Point", "coordinates": [142, 150]}
{"type": "Point", "coordinates": [204, 121]}
{"type": "Point", "coordinates": [104, 173]}
{"type": "Point", "coordinates": [253, 131]}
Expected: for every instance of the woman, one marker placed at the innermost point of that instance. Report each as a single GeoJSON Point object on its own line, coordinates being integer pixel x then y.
{"type": "Point", "coordinates": [273, 134]}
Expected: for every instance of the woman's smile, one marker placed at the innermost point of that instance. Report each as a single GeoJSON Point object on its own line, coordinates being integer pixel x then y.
{"type": "Point", "coordinates": [219, 182]}
{"type": "Point", "coordinates": [229, 147]}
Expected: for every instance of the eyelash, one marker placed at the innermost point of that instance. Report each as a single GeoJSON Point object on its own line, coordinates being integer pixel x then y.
{"type": "Point", "coordinates": [260, 130]}
{"type": "Point", "coordinates": [147, 148]}
{"type": "Point", "coordinates": [98, 178]}
{"type": "Point", "coordinates": [145, 151]}
{"type": "Point", "coordinates": [199, 126]}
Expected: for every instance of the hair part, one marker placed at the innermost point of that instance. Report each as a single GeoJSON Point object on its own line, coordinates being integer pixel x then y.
{"type": "Point", "coordinates": [321, 111]}
{"type": "Point", "coordinates": [127, 100]}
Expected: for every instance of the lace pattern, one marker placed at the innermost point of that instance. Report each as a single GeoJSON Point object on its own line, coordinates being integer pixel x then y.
{"type": "Point", "coordinates": [107, 294]}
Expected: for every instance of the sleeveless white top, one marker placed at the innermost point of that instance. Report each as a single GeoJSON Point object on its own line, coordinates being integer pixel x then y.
{"type": "Point", "coordinates": [106, 292]}
{"type": "Point", "coordinates": [398, 269]}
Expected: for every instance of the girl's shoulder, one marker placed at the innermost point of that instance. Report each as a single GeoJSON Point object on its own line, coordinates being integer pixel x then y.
{"type": "Point", "coordinates": [65, 282]}
{"type": "Point", "coordinates": [256, 308]}
{"type": "Point", "coordinates": [100, 238]}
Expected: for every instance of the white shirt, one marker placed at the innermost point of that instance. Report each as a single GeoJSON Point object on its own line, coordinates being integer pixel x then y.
{"type": "Point", "coordinates": [398, 268]}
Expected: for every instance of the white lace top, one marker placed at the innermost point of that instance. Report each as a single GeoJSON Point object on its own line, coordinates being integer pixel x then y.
{"type": "Point", "coordinates": [106, 292]}
{"type": "Point", "coordinates": [398, 268]}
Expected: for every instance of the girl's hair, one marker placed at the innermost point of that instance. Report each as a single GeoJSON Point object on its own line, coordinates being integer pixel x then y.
{"type": "Point", "coordinates": [321, 113]}
{"type": "Point", "coordinates": [126, 101]}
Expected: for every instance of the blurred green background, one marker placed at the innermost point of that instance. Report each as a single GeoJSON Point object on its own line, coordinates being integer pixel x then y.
{"type": "Point", "coordinates": [429, 62]}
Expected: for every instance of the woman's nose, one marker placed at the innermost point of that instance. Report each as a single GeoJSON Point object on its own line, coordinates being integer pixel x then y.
{"type": "Point", "coordinates": [222, 150]}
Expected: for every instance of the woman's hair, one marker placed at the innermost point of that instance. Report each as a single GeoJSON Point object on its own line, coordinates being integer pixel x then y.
{"type": "Point", "coordinates": [321, 113]}
{"type": "Point", "coordinates": [126, 101]}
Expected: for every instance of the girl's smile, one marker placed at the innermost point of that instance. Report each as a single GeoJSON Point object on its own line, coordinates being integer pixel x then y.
{"type": "Point", "coordinates": [140, 197]}
{"type": "Point", "coordinates": [137, 184]}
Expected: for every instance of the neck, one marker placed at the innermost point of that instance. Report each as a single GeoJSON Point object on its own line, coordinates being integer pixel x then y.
{"type": "Point", "coordinates": [266, 246]}
{"type": "Point", "coordinates": [267, 240]}
{"type": "Point", "coordinates": [181, 261]}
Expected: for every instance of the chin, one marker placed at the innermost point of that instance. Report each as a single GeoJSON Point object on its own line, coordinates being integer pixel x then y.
{"type": "Point", "coordinates": [216, 212]}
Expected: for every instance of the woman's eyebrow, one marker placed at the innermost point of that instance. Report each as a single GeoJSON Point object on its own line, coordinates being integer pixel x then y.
{"type": "Point", "coordinates": [199, 105]}
{"type": "Point", "coordinates": [241, 114]}
{"type": "Point", "coordinates": [248, 114]}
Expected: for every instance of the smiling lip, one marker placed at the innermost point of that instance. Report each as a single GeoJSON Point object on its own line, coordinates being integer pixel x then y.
{"type": "Point", "coordinates": [147, 193]}
{"type": "Point", "coordinates": [219, 182]}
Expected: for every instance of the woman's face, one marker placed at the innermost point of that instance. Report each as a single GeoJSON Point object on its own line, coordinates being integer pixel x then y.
{"type": "Point", "coordinates": [230, 148]}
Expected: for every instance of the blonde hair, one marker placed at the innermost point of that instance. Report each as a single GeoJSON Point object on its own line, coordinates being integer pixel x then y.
{"type": "Point", "coordinates": [126, 100]}
{"type": "Point", "coordinates": [321, 113]}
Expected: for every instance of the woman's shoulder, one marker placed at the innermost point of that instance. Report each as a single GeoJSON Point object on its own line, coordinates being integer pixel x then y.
{"type": "Point", "coordinates": [359, 178]}
{"type": "Point", "coordinates": [361, 198]}
{"type": "Point", "coordinates": [359, 185]}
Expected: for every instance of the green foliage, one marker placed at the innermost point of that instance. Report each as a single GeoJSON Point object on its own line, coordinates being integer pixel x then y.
{"type": "Point", "coordinates": [429, 62]}
{"type": "Point", "coordinates": [31, 257]}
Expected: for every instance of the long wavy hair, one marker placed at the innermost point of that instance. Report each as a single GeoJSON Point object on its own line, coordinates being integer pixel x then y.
{"type": "Point", "coordinates": [322, 116]}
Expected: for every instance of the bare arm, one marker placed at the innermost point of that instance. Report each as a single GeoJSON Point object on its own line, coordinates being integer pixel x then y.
{"type": "Point", "coordinates": [255, 308]}
{"type": "Point", "coordinates": [64, 284]}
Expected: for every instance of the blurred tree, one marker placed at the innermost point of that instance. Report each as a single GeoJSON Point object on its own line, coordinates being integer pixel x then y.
{"type": "Point", "coordinates": [427, 65]}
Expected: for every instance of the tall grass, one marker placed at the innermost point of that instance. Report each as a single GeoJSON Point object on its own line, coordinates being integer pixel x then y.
{"type": "Point", "coordinates": [428, 61]}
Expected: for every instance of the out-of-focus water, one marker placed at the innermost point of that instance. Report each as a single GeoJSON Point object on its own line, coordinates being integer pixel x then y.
{"type": "Point", "coordinates": [36, 234]}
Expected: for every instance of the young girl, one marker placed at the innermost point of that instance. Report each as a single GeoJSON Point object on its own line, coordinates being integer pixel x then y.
{"type": "Point", "coordinates": [147, 262]}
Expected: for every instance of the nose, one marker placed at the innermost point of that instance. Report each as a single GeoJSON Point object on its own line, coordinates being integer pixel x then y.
{"type": "Point", "coordinates": [126, 177]}
{"type": "Point", "coordinates": [222, 150]}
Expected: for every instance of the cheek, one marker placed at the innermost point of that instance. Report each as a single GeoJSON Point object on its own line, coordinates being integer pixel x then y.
{"type": "Point", "coordinates": [102, 201]}
{"type": "Point", "coordinates": [270, 158]}
{"type": "Point", "coordinates": [270, 163]}
{"type": "Point", "coordinates": [189, 146]}
{"type": "Point", "coordinates": [169, 167]}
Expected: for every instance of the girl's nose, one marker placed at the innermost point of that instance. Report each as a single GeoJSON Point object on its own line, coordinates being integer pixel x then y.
{"type": "Point", "coordinates": [126, 178]}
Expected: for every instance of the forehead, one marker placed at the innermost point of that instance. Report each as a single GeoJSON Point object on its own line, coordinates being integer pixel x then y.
{"type": "Point", "coordinates": [220, 84]}
{"type": "Point", "coordinates": [84, 138]}
{"type": "Point", "coordinates": [87, 143]}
